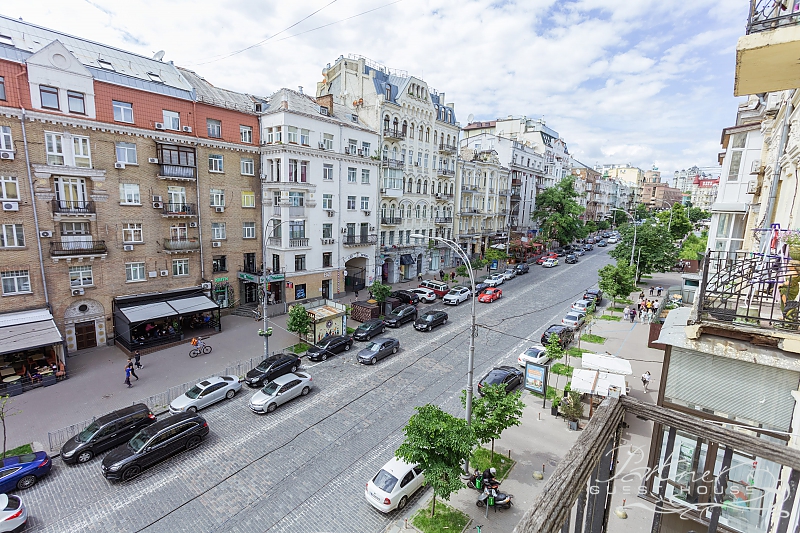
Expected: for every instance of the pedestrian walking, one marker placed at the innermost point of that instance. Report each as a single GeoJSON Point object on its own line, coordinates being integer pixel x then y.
{"type": "Point", "coordinates": [133, 372]}
{"type": "Point", "coordinates": [646, 380]}
{"type": "Point", "coordinates": [356, 293]}
{"type": "Point", "coordinates": [658, 290]}
{"type": "Point", "coordinates": [626, 313]}
{"type": "Point", "coordinates": [633, 315]}
{"type": "Point", "coordinates": [128, 376]}
{"type": "Point", "coordinates": [642, 316]}
{"type": "Point", "coordinates": [683, 267]}
{"type": "Point", "coordinates": [651, 290]}
{"type": "Point", "coordinates": [137, 358]}
{"type": "Point", "coordinates": [641, 295]}
{"type": "Point", "coordinates": [441, 275]}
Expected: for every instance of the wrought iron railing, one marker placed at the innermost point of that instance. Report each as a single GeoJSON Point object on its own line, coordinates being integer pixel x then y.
{"type": "Point", "coordinates": [177, 245]}
{"type": "Point", "coordinates": [391, 221]}
{"type": "Point", "coordinates": [468, 188]}
{"type": "Point", "coordinates": [447, 148]}
{"type": "Point", "coordinates": [394, 133]}
{"type": "Point", "coordinates": [444, 220]}
{"type": "Point", "coordinates": [359, 240]}
{"type": "Point", "coordinates": [179, 209]}
{"type": "Point", "coordinates": [391, 163]}
{"type": "Point", "coordinates": [73, 207]}
{"type": "Point", "coordinates": [59, 248]}
{"type": "Point", "coordinates": [766, 15]}
{"type": "Point", "coordinates": [177, 171]}
{"type": "Point", "coordinates": [757, 290]}
{"type": "Point", "coordinates": [446, 172]}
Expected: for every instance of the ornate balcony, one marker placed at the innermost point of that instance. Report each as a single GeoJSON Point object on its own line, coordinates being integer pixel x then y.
{"type": "Point", "coordinates": [298, 243]}
{"type": "Point", "coordinates": [394, 134]}
{"type": "Point", "coordinates": [359, 240]}
{"type": "Point", "coordinates": [171, 210]}
{"type": "Point", "coordinates": [445, 172]}
{"type": "Point", "coordinates": [447, 148]}
{"type": "Point", "coordinates": [73, 208]}
{"type": "Point", "coordinates": [181, 246]}
{"type": "Point", "coordinates": [73, 249]}
{"type": "Point", "coordinates": [391, 221]}
{"type": "Point", "coordinates": [468, 188]}
{"type": "Point", "coordinates": [177, 172]}
{"type": "Point", "coordinates": [444, 220]}
{"type": "Point", "coordinates": [391, 163]}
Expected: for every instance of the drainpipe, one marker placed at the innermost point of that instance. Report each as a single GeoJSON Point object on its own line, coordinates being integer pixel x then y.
{"type": "Point", "coordinates": [197, 188]}
{"type": "Point", "coordinates": [776, 173]}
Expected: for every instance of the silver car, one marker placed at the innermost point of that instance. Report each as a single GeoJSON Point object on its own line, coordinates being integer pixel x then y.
{"type": "Point", "coordinates": [574, 319]}
{"type": "Point", "coordinates": [208, 391]}
{"type": "Point", "coordinates": [279, 391]}
{"type": "Point", "coordinates": [13, 513]}
{"type": "Point", "coordinates": [509, 273]}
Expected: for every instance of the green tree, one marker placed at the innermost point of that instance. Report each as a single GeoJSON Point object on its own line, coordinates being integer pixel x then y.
{"type": "Point", "coordinates": [462, 271]}
{"type": "Point", "coordinates": [555, 352]}
{"type": "Point", "coordinates": [617, 281]}
{"type": "Point", "coordinates": [693, 246]}
{"type": "Point", "coordinates": [478, 263]}
{"type": "Point", "coordinates": [641, 212]}
{"type": "Point", "coordinates": [298, 322]}
{"type": "Point", "coordinates": [655, 251]}
{"type": "Point", "coordinates": [493, 253]}
{"type": "Point", "coordinates": [494, 412]}
{"type": "Point", "coordinates": [696, 214]}
{"type": "Point", "coordinates": [557, 212]}
{"type": "Point", "coordinates": [603, 225]}
{"type": "Point", "coordinates": [676, 221]}
{"type": "Point", "coordinates": [379, 291]}
{"type": "Point", "coordinates": [590, 226]}
{"type": "Point", "coordinates": [437, 442]}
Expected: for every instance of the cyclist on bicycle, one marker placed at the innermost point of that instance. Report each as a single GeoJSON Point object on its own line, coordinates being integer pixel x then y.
{"type": "Point", "coordinates": [198, 343]}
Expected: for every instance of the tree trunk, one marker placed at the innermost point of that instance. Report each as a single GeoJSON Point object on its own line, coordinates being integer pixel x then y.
{"type": "Point", "coordinates": [613, 304]}
{"type": "Point", "coordinates": [491, 460]}
{"type": "Point", "coordinates": [433, 505]}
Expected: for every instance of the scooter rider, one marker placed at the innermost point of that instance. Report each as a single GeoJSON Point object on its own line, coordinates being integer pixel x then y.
{"type": "Point", "coordinates": [489, 479]}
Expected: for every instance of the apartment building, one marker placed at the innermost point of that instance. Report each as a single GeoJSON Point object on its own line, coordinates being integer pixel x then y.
{"type": "Point", "coordinates": [140, 192]}
{"type": "Point", "coordinates": [320, 193]}
{"type": "Point", "coordinates": [417, 151]}
{"type": "Point", "coordinates": [631, 175]}
{"type": "Point", "coordinates": [661, 195]}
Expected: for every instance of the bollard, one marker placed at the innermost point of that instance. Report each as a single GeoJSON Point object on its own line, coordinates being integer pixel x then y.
{"type": "Point", "coordinates": [542, 467]}
{"type": "Point", "coordinates": [509, 454]}
{"type": "Point", "coordinates": [540, 415]}
{"type": "Point", "coordinates": [405, 523]}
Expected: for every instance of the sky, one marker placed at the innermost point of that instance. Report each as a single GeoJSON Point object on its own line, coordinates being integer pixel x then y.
{"type": "Point", "coordinates": [645, 82]}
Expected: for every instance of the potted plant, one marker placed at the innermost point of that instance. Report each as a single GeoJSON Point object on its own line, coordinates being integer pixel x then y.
{"type": "Point", "coordinates": [793, 240]}
{"type": "Point", "coordinates": [573, 410]}
{"type": "Point", "coordinates": [554, 406]}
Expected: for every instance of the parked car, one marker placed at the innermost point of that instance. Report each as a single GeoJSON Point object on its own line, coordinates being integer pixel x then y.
{"type": "Point", "coordinates": [489, 295]}
{"type": "Point", "coordinates": [508, 376]}
{"type": "Point", "coordinates": [495, 279]}
{"type": "Point", "coordinates": [425, 295]}
{"type": "Point", "coordinates": [430, 319]}
{"type": "Point", "coordinates": [606, 234]}
{"type": "Point", "coordinates": [522, 268]}
{"type": "Point", "coordinates": [560, 252]}
{"type": "Point", "coordinates": [570, 259]}
{"type": "Point", "coordinates": [279, 391]}
{"type": "Point", "coordinates": [272, 367]}
{"type": "Point", "coordinates": [393, 485]}
{"type": "Point", "coordinates": [550, 263]}
{"type": "Point", "coordinates": [584, 306]}
{"type": "Point", "coordinates": [481, 284]}
{"type": "Point", "coordinates": [456, 296]}
{"type": "Point", "coordinates": [602, 244]}
{"type": "Point", "coordinates": [509, 273]}
{"type": "Point", "coordinates": [13, 514]}
{"type": "Point", "coordinates": [535, 354]}
{"type": "Point", "coordinates": [544, 258]}
{"type": "Point", "coordinates": [156, 442]}
{"type": "Point", "coordinates": [330, 345]}
{"type": "Point", "coordinates": [588, 247]}
{"type": "Point", "coordinates": [594, 294]}
{"type": "Point", "coordinates": [401, 315]}
{"type": "Point", "coordinates": [574, 319]}
{"type": "Point", "coordinates": [580, 252]}
{"type": "Point", "coordinates": [590, 240]}
{"type": "Point", "coordinates": [23, 471]}
{"type": "Point", "coordinates": [407, 297]}
{"type": "Point", "coordinates": [208, 391]}
{"type": "Point", "coordinates": [565, 335]}
{"type": "Point", "coordinates": [439, 288]}
{"type": "Point", "coordinates": [369, 329]}
{"type": "Point", "coordinates": [378, 349]}
{"type": "Point", "coordinates": [612, 240]}
{"type": "Point", "coordinates": [106, 432]}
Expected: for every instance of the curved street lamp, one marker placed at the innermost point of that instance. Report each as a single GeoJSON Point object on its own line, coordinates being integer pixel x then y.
{"type": "Point", "coordinates": [264, 302]}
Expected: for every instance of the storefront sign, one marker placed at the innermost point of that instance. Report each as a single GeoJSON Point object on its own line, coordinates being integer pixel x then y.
{"type": "Point", "coordinates": [252, 278]}
{"type": "Point", "coordinates": [220, 280]}
{"type": "Point", "coordinates": [357, 254]}
{"type": "Point", "coordinates": [275, 277]}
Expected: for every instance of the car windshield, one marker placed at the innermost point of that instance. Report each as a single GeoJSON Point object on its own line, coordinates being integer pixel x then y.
{"type": "Point", "coordinates": [87, 433]}
{"type": "Point", "coordinates": [385, 481]}
{"type": "Point", "coordinates": [324, 343]}
{"type": "Point", "coordinates": [373, 347]}
{"type": "Point", "coordinates": [428, 318]}
{"type": "Point", "coordinates": [533, 352]}
{"type": "Point", "coordinates": [573, 317]}
{"type": "Point", "coordinates": [265, 364]}
{"type": "Point", "coordinates": [270, 388]}
{"type": "Point", "coordinates": [397, 312]}
{"type": "Point", "coordinates": [494, 377]}
{"type": "Point", "coordinates": [193, 393]}
{"type": "Point", "coordinates": [139, 440]}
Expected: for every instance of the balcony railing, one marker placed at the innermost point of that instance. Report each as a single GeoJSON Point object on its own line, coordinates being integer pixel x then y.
{"type": "Point", "coordinates": [446, 172]}
{"type": "Point", "coordinates": [297, 211]}
{"type": "Point", "coordinates": [749, 289]}
{"type": "Point", "coordinates": [275, 241]}
{"type": "Point", "coordinates": [65, 248]}
{"type": "Point", "coordinates": [298, 243]}
{"type": "Point", "coordinates": [179, 210]}
{"type": "Point", "coordinates": [391, 133]}
{"type": "Point", "coordinates": [74, 207]}
{"type": "Point", "coordinates": [392, 163]}
{"type": "Point", "coordinates": [177, 172]}
{"type": "Point", "coordinates": [391, 221]}
{"type": "Point", "coordinates": [470, 211]}
{"type": "Point", "coordinates": [468, 188]}
{"type": "Point", "coordinates": [447, 148]}
{"type": "Point", "coordinates": [359, 240]}
{"type": "Point", "coordinates": [181, 245]}
{"type": "Point", "coordinates": [767, 15]}
{"type": "Point", "coordinates": [444, 220]}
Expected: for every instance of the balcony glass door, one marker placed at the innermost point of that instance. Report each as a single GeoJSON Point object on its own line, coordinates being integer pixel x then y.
{"type": "Point", "coordinates": [71, 193]}
{"type": "Point", "coordinates": [76, 235]}
{"type": "Point", "coordinates": [178, 233]}
{"type": "Point", "coordinates": [177, 198]}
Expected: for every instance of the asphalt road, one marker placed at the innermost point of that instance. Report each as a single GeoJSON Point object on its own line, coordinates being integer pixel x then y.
{"type": "Point", "coordinates": [303, 468]}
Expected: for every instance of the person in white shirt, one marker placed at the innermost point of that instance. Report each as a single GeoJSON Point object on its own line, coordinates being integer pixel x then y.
{"type": "Point", "coordinates": [646, 380]}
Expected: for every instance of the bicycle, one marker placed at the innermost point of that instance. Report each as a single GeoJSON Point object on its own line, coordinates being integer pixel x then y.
{"type": "Point", "coordinates": [200, 348]}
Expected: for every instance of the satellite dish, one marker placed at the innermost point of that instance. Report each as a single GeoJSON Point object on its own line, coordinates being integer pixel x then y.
{"type": "Point", "coordinates": [470, 118]}
{"type": "Point", "coordinates": [159, 55]}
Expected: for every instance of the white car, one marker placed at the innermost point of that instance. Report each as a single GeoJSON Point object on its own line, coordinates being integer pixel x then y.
{"type": "Point", "coordinates": [426, 295]}
{"type": "Point", "coordinates": [279, 391]}
{"type": "Point", "coordinates": [612, 240]}
{"type": "Point", "coordinates": [535, 354]}
{"type": "Point", "coordinates": [582, 306]}
{"type": "Point", "coordinates": [13, 514]}
{"type": "Point", "coordinates": [205, 393]}
{"type": "Point", "coordinates": [509, 273]}
{"type": "Point", "coordinates": [494, 280]}
{"type": "Point", "coordinates": [393, 485]}
{"type": "Point", "coordinates": [550, 263]}
{"type": "Point", "coordinates": [574, 319]}
{"type": "Point", "coordinates": [456, 296]}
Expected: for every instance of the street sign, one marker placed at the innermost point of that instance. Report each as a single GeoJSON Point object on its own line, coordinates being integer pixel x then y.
{"type": "Point", "coordinates": [536, 379]}
{"type": "Point", "coordinates": [494, 264]}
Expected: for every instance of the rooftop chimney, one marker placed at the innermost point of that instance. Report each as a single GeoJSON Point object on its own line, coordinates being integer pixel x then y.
{"type": "Point", "coordinates": [300, 89]}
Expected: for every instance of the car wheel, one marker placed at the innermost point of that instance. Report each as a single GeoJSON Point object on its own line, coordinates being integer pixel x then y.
{"type": "Point", "coordinates": [394, 350]}
{"type": "Point", "coordinates": [383, 329]}
{"type": "Point", "coordinates": [193, 442]}
{"type": "Point", "coordinates": [305, 391]}
{"type": "Point", "coordinates": [294, 368]}
{"type": "Point", "coordinates": [84, 456]}
{"type": "Point", "coordinates": [26, 482]}
{"type": "Point", "coordinates": [324, 356]}
{"type": "Point", "coordinates": [402, 503]}
{"type": "Point", "coordinates": [131, 472]}
{"type": "Point", "coordinates": [191, 409]}
{"type": "Point", "coordinates": [480, 503]}
{"type": "Point", "coordinates": [444, 321]}
{"type": "Point", "coordinates": [373, 361]}
{"type": "Point", "coordinates": [271, 407]}
{"type": "Point", "coordinates": [429, 328]}
{"type": "Point", "coordinates": [347, 347]}
{"type": "Point", "coordinates": [230, 394]}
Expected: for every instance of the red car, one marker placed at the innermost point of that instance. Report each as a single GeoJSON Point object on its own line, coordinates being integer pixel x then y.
{"type": "Point", "coordinates": [491, 294]}
{"type": "Point", "coordinates": [544, 258]}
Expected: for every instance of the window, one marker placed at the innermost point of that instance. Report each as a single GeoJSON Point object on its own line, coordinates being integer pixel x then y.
{"type": "Point", "coordinates": [218, 231]}
{"type": "Point", "coordinates": [2, 88]}
{"type": "Point", "coordinates": [123, 111]}
{"type": "Point", "coordinates": [215, 163]}
{"type": "Point", "coordinates": [248, 230]}
{"type": "Point", "coordinates": [172, 120]}
{"type": "Point", "coordinates": [296, 199]}
{"type": "Point", "coordinates": [293, 166]}
{"type": "Point", "coordinates": [426, 161]}
{"type": "Point", "coordinates": [15, 282]}
{"type": "Point", "coordinates": [297, 229]}
{"type": "Point", "coordinates": [217, 198]}
{"type": "Point", "coordinates": [365, 176]}
{"type": "Point", "coordinates": [49, 97]}
{"type": "Point", "coordinates": [738, 143]}
{"type": "Point", "coordinates": [126, 153]}
{"type": "Point", "coordinates": [365, 202]}
{"type": "Point", "coordinates": [134, 272]}
{"type": "Point", "coordinates": [278, 134]}
{"type": "Point", "coordinates": [80, 148]}
{"type": "Point", "coordinates": [246, 134]}
{"type": "Point", "coordinates": [383, 238]}
{"type": "Point", "coordinates": [132, 232]}
{"type": "Point", "coordinates": [299, 262]}
{"type": "Point", "coordinates": [54, 146]}
{"type": "Point", "coordinates": [76, 103]}
{"type": "Point", "coordinates": [327, 231]}
{"type": "Point", "coordinates": [5, 138]}
{"type": "Point", "coordinates": [248, 167]}
{"type": "Point", "coordinates": [219, 263]}
{"type": "Point", "coordinates": [270, 136]}
{"type": "Point", "coordinates": [170, 154]}
{"type": "Point", "coordinates": [291, 134]}
{"type": "Point", "coordinates": [214, 128]}
{"type": "Point", "coordinates": [303, 171]}
{"type": "Point", "coordinates": [155, 77]}
{"type": "Point", "coordinates": [300, 289]}
{"type": "Point", "coordinates": [180, 267]}
{"type": "Point", "coordinates": [248, 199]}
{"type": "Point", "coordinates": [352, 146]}
{"type": "Point", "coordinates": [81, 276]}
{"type": "Point", "coordinates": [352, 174]}
{"type": "Point", "coordinates": [365, 147]}
{"type": "Point", "coordinates": [327, 259]}
{"type": "Point", "coordinates": [9, 189]}
{"type": "Point", "coordinates": [327, 201]}
{"type": "Point", "coordinates": [129, 194]}
{"type": "Point", "coordinates": [327, 172]}
{"type": "Point", "coordinates": [351, 202]}
{"type": "Point", "coordinates": [12, 236]}
{"type": "Point", "coordinates": [304, 137]}
{"type": "Point", "coordinates": [327, 141]}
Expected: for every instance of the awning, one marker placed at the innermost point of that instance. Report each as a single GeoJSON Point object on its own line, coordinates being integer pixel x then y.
{"type": "Point", "coordinates": [606, 363]}
{"type": "Point", "coordinates": [498, 246]}
{"type": "Point", "coordinates": [182, 306]}
{"type": "Point", "coordinates": [406, 259]}
{"type": "Point", "coordinates": [596, 383]}
{"type": "Point", "coordinates": [195, 304]}
{"type": "Point", "coordinates": [26, 330]}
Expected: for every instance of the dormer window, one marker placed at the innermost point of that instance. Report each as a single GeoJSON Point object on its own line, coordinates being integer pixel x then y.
{"type": "Point", "coordinates": [105, 64]}
{"type": "Point", "coordinates": [388, 91]}
{"type": "Point", "coordinates": [49, 96]}
{"type": "Point", "coordinates": [155, 77]}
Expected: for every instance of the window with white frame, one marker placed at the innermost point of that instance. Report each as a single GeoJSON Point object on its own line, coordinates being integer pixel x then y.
{"type": "Point", "coordinates": [172, 120]}
{"type": "Point", "coordinates": [296, 199]}
{"type": "Point", "coordinates": [291, 134]}
{"type": "Point", "coordinates": [126, 153]}
{"type": "Point", "coordinates": [217, 198]}
{"type": "Point", "coordinates": [426, 161]}
{"type": "Point", "coordinates": [327, 201]}
{"type": "Point", "coordinates": [365, 203]}
{"type": "Point", "coordinates": [129, 194]}
{"type": "Point", "coordinates": [6, 143]}
{"type": "Point", "coordinates": [293, 168]}
{"type": "Point", "coordinates": [365, 176]}
{"type": "Point", "coordinates": [81, 276]}
{"type": "Point", "coordinates": [180, 267]}
{"type": "Point", "coordinates": [218, 231]}
{"type": "Point", "coordinates": [134, 272]}
{"type": "Point", "coordinates": [132, 232]}
{"type": "Point", "coordinates": [737, 144]}
{"type": "Point", "coordinates": [215, 163]}
{"type": "Point", "coordinates": [12, 236]}
{"type": "Point", "coordinates": [248, 230]}
{"type": "Point", "coordinates": [305, 137]}
{"type": "Point", "coordinates": [54, 146]}
{"type": "Point", "coordinates": [80, 152]}
{"type": "Point", "coordinates": [351, 202]}
{"type": "Point", "coordinates": [246, 134]}
{"type": "Point", "coordinates": [327, 141]}
{"type": "Point", "coordinates": [352, 174]}
{"type": "Point", "coordinates": [15, 282]}
{"type": "Point", "coordinates": [365, 148]}
{"type": "Point", "coordinates": [270, 135]}
{"type": "Point", "coordinates": [352, 146]}
{"type": "Point", "coordinates": [327, 172]}
{"type": "Point", "coordinates": [123, 111]}
{"type": "Point", "coordinates": [303, 171]}
{"type": "Point", "coordinates": [2, 88]}
{"type": "Point", "coordinates": [248, 167]}
{"type": "Point", "coordinates": [327, 231]}
{"type": "Point", "coordinates": [214, 128]}
{"type": "Point", "coordinates": [248, 199]}
{"type": "Point", "coordinates": [9, 188]}
{"type": "Point", "coordinates": [278, 131]}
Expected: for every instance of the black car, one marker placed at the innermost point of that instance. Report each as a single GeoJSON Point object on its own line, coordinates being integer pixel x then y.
{"type": "Point", "coordinates": [593, 294]}
{"type": "Point", "coordinates": [378, 349]}
{"type": "Point", "coordinates": [401, 315]}
{"type": "Point", "coordinates": [430, 319]}
{"type": "Point", "coordinates": [588, 246]}
{"type": "Point", "coordinates": [106, 432]}
{"type": "Point", "coordinates": [270, 368]}
{"type": "Point", "coordinates": [330, 345]}
{"type": "Point", "coordinates": [602, 244]}
{"type": "Point", "coordinates": [565, 335]}
{"type": "Point", "coordinates": [154, 443]}
{"type": "Point", "coordinates": [522, 268]}
{"type": "Point", "coordinates": [571, 258]}
{"type": "Point", "coordinates": [560, 252]}
{"type": "Point", "coordinates": [481, 284]}
{"type": "Point", "coordinates": [509, 376]}
{"type": "Point", "coordinates": [606, 235]}
{"type": "Point", "coordinates": [369, 329]}
{"type": "Point", "coordinates": [407, 297]}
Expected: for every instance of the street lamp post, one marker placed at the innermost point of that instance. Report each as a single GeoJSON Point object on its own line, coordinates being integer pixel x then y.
{"type": "Point", "coordinates": [471, 361]}
{"type": "Point", "coordinates": [266, 286]}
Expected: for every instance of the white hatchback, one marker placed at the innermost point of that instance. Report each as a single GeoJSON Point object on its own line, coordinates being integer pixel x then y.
{"type": "Point", "coordinates": [426, 295]}
{"type": "Point", "coordinates": [393, 485]}
{"type": "Point", "coordinates": [456, 295]}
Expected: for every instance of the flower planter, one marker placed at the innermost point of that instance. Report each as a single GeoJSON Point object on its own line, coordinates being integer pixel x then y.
{"type": "Point", "coordinates": [573, 425]}
{"type": "Point", "coordinates": [49, 379]}
{"type": "Point", "coordinates": [554, 410]}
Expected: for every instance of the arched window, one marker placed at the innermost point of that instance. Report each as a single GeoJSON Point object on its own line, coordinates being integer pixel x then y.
{"type": "Point", "coordinates": [449, 116]}
{"type": "Point", "coordinates": [425, 187]}
{"type": "Point", "coordinates": [435, 137]}
{"type": "Point", "coordinates": [408, 210]}
{"type": "Point", "coordinates": [448, 140]}
{"type": "Point", "coordinates": [394, 153]}
{"type": "Point", "coordinates": [391, 211]}
{"type": "Point", "coordinates": [405, 127]}
{"type": "Point", "coordinates": [451, 188]}
{"type": "Point", "coordinates": [424, 211]}
{"type": "Point", "coordinates": [411, 131]}
{"type": "Point", "coordinates": [388, 91]}
{"type": "Point", "coordinates": [419, 186]}
{"type": "Point", "coordinates": [386, 123]}
{"type": "Point", "coordinates": [418, 211]}
{"type": "Point", "coordinates": [404, 184]}
{"type": "Point", "coordinates": [395, 125]}
{"type": "Point", "coordinates": [420, 133]}
{"type": "Point", "coordinates": [427, 135]}
{"type": "Point", "coordinates": [385, 152]}
{"type": "Point", "coordinates": [439, 187]}
{"type": "Point", "coordinates": [383, 210]}
{"type": "Point", "coordinates": [410, 185]}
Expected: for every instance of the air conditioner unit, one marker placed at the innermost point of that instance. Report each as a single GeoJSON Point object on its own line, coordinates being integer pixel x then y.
{"type": "Point", "coordinates": [347, 150]}
{"type": "Point", "coordinates": [219, 209]}
{"type": "Point", "coordinates": [127, 247]}
{"type": "Point", "coordinates": [383, 191]}
{"type": "Point", "coordinates": [361, 152]}
{"type": "Point", "coordinates": [119, 165]}
{"type": "Point", "coordinates": [164, 273]}
{"type": "Point", "coordinates": [158, 205]}
{"type": "Point", "coordinates": [323, 110]}
{"type": "Point", "coordinates": [416, 163]}
{"type": "Point", "coordinates": [344, 230]}
{"type": "Point", "coordinates": [206, 285]}
{"type": "Point", "coordinates": [78, 292]}
{"type": "Point", "coordinates": [755, 168]}
{"type": "Point", "coordinates": [187, 129]}
{"type": "Point", "coordinates": [367, 212]}
{"type": "Point", "coordinates": [152, 274]}
{"type": "Point", "coordinates": [192, 224]}
{"type": "Point", "coordinates": [160, 126]}
{"type": "Point", "coordinates": [157, 199]}
{"type": "Point", "coordinates": [752, 187]}
{"type": "Point", "coordinates": [321, 145]}
{"type": "Point", "coordinates": [327, 241]}
{"type": "Point", "coordinates": [7, 155]}
{"type": "Point", "coordinates": [152, 160]}
{"type": "Point", "coordinates": [438, 195]}
{"type": "Point", "coordinates": [331, 213]}
{"type": "Point", "coordinates": [10, 206]}
{"type": "Point", "coordinates": [216, 244]}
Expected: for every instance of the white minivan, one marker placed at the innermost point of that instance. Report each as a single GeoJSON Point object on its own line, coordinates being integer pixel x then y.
{"type": "Point", "coordinates": [393, 485]}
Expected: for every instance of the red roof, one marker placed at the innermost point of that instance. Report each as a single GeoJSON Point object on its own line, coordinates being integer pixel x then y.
{"type": "Point", "coordinates": [480, 125]}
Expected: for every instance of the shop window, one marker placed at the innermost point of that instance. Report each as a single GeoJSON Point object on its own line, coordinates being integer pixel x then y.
{"type": "Point", "coordinates": [220, 263]}
{"type": "Point", "coordinates": [300, 291]}
{"type": "Point", "coordinates": [327, 259]}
